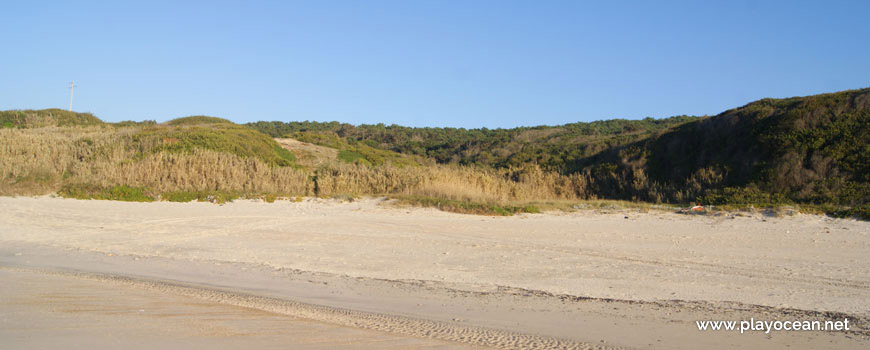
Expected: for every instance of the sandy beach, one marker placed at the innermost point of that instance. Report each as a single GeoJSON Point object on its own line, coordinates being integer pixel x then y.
{"type": "Point", "coordinates": [327, 274]}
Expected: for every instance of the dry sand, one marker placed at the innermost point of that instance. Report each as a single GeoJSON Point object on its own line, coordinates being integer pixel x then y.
{"type": "Point", "coordinates": [423, 278]}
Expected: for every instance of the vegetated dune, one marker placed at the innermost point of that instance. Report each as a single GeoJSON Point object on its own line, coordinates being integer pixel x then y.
{"type": "Point", "coordinates": [811, 151]}
{"type": "Point", "coordinates": [309, 154]}
{"type": "Point", "coordinates": [46, 117]}
{"type": "Point", "coordinates": [185, 161]}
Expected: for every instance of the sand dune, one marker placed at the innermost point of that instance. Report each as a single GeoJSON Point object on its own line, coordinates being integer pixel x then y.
{"type": "Point", "coordinates": [570, 280]}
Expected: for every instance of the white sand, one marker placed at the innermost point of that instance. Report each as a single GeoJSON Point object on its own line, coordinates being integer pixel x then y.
{"type": "Point", "coordinates": [519, 274]}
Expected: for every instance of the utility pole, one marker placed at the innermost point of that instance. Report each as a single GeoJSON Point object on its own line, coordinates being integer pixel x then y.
{"type": "Point", "coordinates": [72, 87]}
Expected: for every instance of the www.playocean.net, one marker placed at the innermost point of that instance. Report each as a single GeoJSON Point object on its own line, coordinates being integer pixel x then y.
{"type": "Point", "coordinates": [753, 325]}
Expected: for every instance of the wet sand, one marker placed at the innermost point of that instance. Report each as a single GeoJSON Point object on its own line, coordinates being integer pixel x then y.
{"type": "Point", "coordinates": [51, 311]}
{"type": "Point", "coordinates": [575, 280]}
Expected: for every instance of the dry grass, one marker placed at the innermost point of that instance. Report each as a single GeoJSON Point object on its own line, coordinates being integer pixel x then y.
{"type": "Point", "coordinates": [460, 183]}
{"type": "Point", "coordinates": [40, 161]}
{"type": "Point", "coordinates": [114, 163]}
{"type": "Point", "coordinates": [45, 160]}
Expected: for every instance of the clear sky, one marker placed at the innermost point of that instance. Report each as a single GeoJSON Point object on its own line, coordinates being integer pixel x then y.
{"type": "Point", "coordinates": [466, 63]}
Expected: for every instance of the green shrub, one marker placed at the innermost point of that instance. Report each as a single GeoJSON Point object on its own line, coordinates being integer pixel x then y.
{"type": "Point", "coordinates": [468, 207]}
{"type": "Point", "coordinates": [350, 156]}
{"type": "Point", "coordinates": [198, 119]}
{"type": "Point", "coordinates": [132, 123]}
{"type": "Point", "coordinates": [219, 197]}
{"type": "Point", "coordinates": [115, 193]}
{"type": "Point", "coordinates": [860, 212]}
{"type": "Point", "coordinates": [180, 196]}
{"type": "Point", "coordinates": [531, 209]}
{"type": "Point", "coordinates": [744, 195]}
{"type": "Point", "coordinates": [284, 153]}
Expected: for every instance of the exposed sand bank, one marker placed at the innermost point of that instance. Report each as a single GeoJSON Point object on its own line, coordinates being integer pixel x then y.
{"type": "Point", "coordinates": [569, 280]}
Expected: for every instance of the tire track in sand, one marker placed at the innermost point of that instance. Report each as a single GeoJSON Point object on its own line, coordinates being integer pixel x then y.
{"type": "Point", "coordinates": [410, 326]}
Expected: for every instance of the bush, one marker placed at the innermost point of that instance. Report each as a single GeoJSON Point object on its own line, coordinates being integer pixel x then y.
{"type": "Point", "coordinates": [468, 207]}
{"type": "Point", "coordinates": [219, 197]}
{"type": "Point", "coordinates": [284, 154]}
{"type": "Point", "coordinates": [860, 212]}
{"type": "Point", "coordinates": [115, 193]}
{"type": "Point", "coordinates": [351, 156]}
{"type": "Point", "coordinates": [198, 119]}
{"type": "Point", "coordinates": [744, 195]}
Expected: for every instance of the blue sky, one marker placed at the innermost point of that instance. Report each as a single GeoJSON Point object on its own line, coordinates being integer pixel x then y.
{"type": "Point", "coordinates": [426, 63]}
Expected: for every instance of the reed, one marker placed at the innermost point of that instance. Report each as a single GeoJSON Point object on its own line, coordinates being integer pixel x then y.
{"type": "Point", "coordinates": [97, 160]}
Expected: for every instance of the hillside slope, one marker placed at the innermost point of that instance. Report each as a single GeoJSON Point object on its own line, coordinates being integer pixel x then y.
{"type": "Point", "coordinates": [807, 150]}
{"type": "Point", "coordinates": [813, 149]}
{"type": "Point", "coordinates": [46, 117]}
{"type": "Point", "coordinates": [554, 148]}
{"type": "Point", "coordinates": [81, 156]}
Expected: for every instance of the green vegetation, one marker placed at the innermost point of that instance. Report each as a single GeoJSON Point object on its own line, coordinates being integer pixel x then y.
{"type": "Point", "coordinates": [861, 212]}
{"type": "Point", "coordinates": [46, 117]}
{"type": "Point", "coordinates": [810, 152]}
{"type": "Point", "coordinates": [197, 120]}
{"type": "Point", "coordinates": [219, 197]}
{"type": "Point", "coordinates": [225, 137]}
{"type": "Point", "coordinates": [352, 157]}
{"type": "Point", "coordinates": [555, 148]}
{"type": "Point", "coordinates": [178, 135]}
{"type": "Point", "coordinates": [145, 194]}
{"type": "Point", "coordinates": [132, 123]}
{"type": "Point", "coordinates": [284, 154]}
{"type": "Point", "coordinates": [115, 193]}
{"type": "Point", "coordinates": [356, 152]}
{"type": "Point", "coordinates": [468, 207]}
{"type": "Point", "coordinates": [143, 161]}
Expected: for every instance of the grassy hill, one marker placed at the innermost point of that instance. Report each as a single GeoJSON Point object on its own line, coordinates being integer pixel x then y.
{"type": "Point", "coordinates": [215, 134]}
{"type": "Point", "coordinates": [554, 148]}
{"type": "Point", "coordinates": [46, 117]}
{"type": "Point", "coordinates": [812, 151]}
{"type": "Point", "coordinates": [805, 150]}
{"type": "Point", "coordinates": [83, 157]}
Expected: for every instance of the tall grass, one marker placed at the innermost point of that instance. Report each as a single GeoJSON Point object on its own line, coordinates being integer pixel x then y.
{"type": "Point", "coordinates": [461, 183]}
{"type": "Point", "coordinates": [46, 160]}
{"type": "Point", "coordinates": [118, 163]}
{"type": "Point", "coordinates": [40, 161]}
